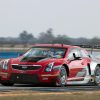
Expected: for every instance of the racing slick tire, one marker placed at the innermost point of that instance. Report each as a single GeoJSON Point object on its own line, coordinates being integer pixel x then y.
{"type": "Point", "coordinates": [61, 79]}
{"type": "Point", "coordinates": [97, 76]}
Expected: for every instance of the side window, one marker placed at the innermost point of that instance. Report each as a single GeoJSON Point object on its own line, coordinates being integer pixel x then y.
{"type": "Point", "coordinates": [79, 52]}
{"type": "Point", "coordinates": [70, 55]}
{"type": "Point", "coordinates": [84, 53]}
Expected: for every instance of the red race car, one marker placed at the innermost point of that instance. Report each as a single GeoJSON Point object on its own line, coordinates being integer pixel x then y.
{"type": "Point", "coordinates": [56, 64]}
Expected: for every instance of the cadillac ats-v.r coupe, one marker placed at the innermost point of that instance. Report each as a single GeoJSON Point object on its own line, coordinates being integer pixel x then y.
{"type": "Point", "coordinates": [55, 64]}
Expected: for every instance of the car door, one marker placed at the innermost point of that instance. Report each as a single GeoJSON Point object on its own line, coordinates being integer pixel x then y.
{"type": "Point", "coordinates": [86, 58]}
{"type": "Point", "coordinates": [75, 65]}
{"type": "Point", "coordinates": [85, 55]}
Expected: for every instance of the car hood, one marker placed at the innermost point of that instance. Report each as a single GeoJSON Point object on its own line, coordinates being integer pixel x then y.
{"type": "Point", "coordinates": [39, 62]}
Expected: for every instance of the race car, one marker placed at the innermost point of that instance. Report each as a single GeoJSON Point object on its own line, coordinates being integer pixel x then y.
{"type": "Point", "coordinates": [55, 64]}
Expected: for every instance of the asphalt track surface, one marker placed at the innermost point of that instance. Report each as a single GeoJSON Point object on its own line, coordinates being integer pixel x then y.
{"type": "Point", "coordinates": [48, 89]}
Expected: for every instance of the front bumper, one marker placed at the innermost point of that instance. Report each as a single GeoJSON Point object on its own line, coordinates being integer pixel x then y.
{"type": "Point", "coordinates": [28, 78]}
{"type": "Point", "coordinates": [24, 78]}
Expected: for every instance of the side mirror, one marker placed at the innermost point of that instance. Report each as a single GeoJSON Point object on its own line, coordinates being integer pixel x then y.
{"type": "Point", "coordinates": [76, 56]}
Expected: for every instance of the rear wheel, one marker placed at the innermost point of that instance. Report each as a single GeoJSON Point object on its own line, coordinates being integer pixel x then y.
{"type": "Point", "coordinates": [7, 84]}
{"type": "Point", "coordinates": [97, 76]}
{"type": "Point", "coordinates": [61, 79]}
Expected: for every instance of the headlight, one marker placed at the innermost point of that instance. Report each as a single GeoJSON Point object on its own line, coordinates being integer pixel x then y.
{"type": "Point", "coordinates": [49, 67]}
{"type": "Point", "coordinates": [5, 64]}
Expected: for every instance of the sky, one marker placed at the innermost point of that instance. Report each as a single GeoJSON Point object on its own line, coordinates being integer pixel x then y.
{"type": "Point", "coordinates": [75, 18]}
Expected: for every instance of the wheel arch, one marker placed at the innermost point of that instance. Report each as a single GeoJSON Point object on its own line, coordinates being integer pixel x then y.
{"type": "Point", "coordinates": [99, 65]}
{"type": "Point", "coordinates": [67, 69]}
{"type": "Point", "coordinates": [93, 66]}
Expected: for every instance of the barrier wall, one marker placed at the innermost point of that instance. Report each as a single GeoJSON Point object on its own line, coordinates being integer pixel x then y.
{"type": "Point", "coordinates": [4, 55]}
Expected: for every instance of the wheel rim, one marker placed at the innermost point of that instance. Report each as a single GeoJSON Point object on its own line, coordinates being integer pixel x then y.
{"type": "Point", "coordinates": [61, 81]}
{"type": "Point", "coordinates": [63, 76]}
{"type": "Point", "coordinates": [97, 76]}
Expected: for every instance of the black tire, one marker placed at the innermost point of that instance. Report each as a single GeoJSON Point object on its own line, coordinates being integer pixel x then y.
{"type": "Point", "coordinates": [97, 76]}
{"type": "Point", "coordinates": [7, 84]}
{"type": "Point", "coordinates": [62, 78]}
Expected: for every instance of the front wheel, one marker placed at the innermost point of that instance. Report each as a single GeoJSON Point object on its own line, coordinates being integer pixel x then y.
{"type": "Point", "coordinates": [61, 79]}
{"type": "Point", "coordinates": [97, 76]}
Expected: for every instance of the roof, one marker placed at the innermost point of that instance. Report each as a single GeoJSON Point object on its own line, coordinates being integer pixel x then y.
{"type": "Point", "coordinates": [54, 45]}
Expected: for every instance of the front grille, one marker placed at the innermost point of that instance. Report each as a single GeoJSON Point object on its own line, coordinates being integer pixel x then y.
{"type": "Point", "coordinates": [24, 78]}
{"type": "Point", "coordinates": [26, 67]}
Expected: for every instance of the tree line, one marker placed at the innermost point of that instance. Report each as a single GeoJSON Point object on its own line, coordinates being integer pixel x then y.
{"type": "Point", "coordinates": [48, 37]}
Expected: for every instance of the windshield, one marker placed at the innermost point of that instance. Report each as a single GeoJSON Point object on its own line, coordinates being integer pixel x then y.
{"type": "Point", "coordinates": [44, 52]}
